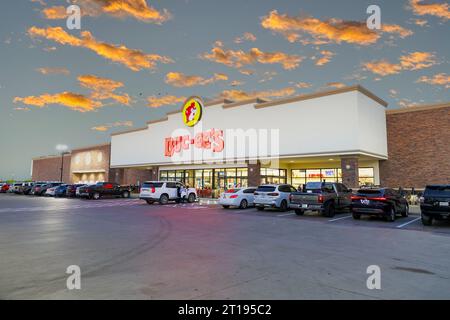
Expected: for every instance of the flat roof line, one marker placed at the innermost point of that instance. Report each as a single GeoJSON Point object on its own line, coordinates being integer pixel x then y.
{"type": "Point", "coordinates": [422, 107]}
{"type": "Point", "coordinates": [323, 94]}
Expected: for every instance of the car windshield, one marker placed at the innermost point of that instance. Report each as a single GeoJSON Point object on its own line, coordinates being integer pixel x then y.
{"type": "Point", "coordinates": [152, 185]}
{"type": "Point", "coordinates": [232, 191]}
{"type": "Point", "coordinates": [437, 191]}
{"type": "Point", "coordinates": [266, 188]}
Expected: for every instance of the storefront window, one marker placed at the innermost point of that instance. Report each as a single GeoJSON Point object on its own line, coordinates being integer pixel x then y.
{"type": "Point", "coordinates": [302, 176]}
{"type": "Point", "coordinates": [269, 175]}
{"type": "Point", "coordinates": [366, 177]}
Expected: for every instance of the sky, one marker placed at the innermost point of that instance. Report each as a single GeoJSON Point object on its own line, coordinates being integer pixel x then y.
{"type": "Point", "coordinates": [133, 61]}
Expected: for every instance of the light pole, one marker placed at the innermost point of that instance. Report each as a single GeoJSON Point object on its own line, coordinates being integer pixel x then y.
{"type": "Point", "coordinates": [63, 149]}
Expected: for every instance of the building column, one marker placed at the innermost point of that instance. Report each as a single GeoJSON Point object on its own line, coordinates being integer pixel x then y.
{"type": "Point", "coordinates": [254, 174]}
{"type": "Point", "coordinates": [154, 173]}
{"type": "Point", "coordinates": [350, 174]}
{"type": "Point", "coordinates": [116, 175]}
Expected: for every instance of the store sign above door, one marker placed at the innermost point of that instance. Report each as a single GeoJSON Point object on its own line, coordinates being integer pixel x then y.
{"type": "Point", "coordinates": [212, 139]}
{"type": "Point", "coordinates": [209, 140]}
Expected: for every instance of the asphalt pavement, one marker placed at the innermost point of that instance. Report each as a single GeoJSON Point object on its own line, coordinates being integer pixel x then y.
{"type": "Point", "coordinates": [127, 249]}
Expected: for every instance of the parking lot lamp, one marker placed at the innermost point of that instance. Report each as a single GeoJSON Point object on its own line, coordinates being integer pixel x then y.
{"type": "Point", "coordinates": [63, 149]}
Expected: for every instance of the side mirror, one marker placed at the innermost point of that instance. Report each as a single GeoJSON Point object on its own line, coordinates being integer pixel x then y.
{"type": "Point", "coordinates": [350, 190]}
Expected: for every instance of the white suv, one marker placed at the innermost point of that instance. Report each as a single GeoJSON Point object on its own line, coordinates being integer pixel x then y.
{"type": "Point", "coordinates": [163, 192]}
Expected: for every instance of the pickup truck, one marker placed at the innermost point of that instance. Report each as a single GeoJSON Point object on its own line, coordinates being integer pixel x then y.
{"type": "Point", "coordinates": [103, 189]}
{"type": "Point", "coordinates": [163, 192]}
{"type": "Point", "coordinates": [324, 197]}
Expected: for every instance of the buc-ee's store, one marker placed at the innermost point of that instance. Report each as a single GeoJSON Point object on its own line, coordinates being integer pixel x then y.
{"type": "Point", "coordinates": [340, 135]}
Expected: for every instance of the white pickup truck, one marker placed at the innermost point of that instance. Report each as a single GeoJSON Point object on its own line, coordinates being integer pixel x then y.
{"type": "Point", "coordinates": [165, 191]}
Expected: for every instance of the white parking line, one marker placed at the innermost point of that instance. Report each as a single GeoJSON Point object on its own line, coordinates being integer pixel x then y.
{"type": "Point", "coordinates": [409, 222]}
{"type": "Point", "coordinates": [341, 218]}
{"type": "Point", "coordinates": [285, 214]}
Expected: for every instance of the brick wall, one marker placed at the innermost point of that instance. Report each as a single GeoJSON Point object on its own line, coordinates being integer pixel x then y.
{"type": "Point", "coordinates": [418, 148]}
{"type": "Point", "coordinates": [91, 163]}
{"type": "Point", "coordinates": [49, 168]}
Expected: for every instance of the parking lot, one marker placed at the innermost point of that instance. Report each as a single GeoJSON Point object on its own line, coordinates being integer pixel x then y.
{"type": "Point", "coordinates": [128, 249]}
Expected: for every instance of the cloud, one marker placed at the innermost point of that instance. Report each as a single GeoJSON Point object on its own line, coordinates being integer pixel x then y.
{"type": "Point", "coordinates": [325, 58]}
{"type": "Point", "coordinates": [336, 85]}
{"type": "Point", "coordinates": [73, 101]}
{"type": "Point", "coordinates": [382, 67]}
{"type": "Point", "coordinates": [137, 9]}
{"type": "Point", "coordinates": [236, 83]}
{"type": "Point", "coordinates": [131, 58]}
{"type": "Point", "coordinates": [327, 31]}
{"type": "Point", "coordinates": [440, 79]}
{"type": "Point", "coordinates": [412, 61]}
{"type": "Point", "coordinates": [247, 36]}
{"type": "Point", "coordinates": [178, 79]}
{"type": "Point", "coordinates": [267, 76]}
{"type": "Point", "coordinates": [417, 60]}
{"type": "Point", "coordinates": [104, 88]}
{"type": "Point", "coordinates": [50, 70]}
{"type": "Point", "coordinates": [156, 102]}
{"type": "Point", "coordinates": [239, 58]}
{"type": "Point", "coordinates": [242, 95]}
{"type": "Point", "coordinates": [101, 89]}
{"type": "Point", "coordinates": [420, 22]}
{"type": "Point", "coordinates": [303, 85]}
{"type": "Point", "coordinates": [440, 10]}
{"type": "Point", "coordinates": [106, 127]}
{"type": "Point", "coordinates": [246, 72]}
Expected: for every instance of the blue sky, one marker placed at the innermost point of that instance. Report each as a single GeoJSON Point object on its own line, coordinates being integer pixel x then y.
{"type": "Point", "coordinates": [288, 47]}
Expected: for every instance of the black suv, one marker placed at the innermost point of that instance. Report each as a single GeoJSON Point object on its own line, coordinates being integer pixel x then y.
{"type": "Point", "coordinates": [435, 203]}
{"type": "Point", "coordinates": [380, 202]}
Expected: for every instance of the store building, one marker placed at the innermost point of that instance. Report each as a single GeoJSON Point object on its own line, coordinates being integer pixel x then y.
{"type": "Point", "coordinates": [343, 135]}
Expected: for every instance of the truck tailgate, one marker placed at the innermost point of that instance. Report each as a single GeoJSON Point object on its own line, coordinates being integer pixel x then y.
{"type": "Point", "coordinates": [304, 198]}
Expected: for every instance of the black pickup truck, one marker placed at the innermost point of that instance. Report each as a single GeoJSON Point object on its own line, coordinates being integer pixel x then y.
{"type": "Point", "coordinates": [435, 204]}
{"type": "Point", "coordinates": [324, 197]}
{"type": "Point", "coordinates": [103, 189]}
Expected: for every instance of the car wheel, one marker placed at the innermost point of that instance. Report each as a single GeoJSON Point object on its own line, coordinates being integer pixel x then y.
{"type": "Point", "coordinates": [391, 215]}
{"type": "Point", "coordinates": [164, 199]}
{"type": "Point", "coordinates": [426, 220]}
{"type": "Point", "coordinates": [406, 212]}
{"type": "Point", "coordinates": [283, 206]}
{"type": "Point", "coordinates": [356, 216]}
{"type": "Point", "coordinates": [126, 194]}
{"type": "Point", "coordinates": [96, 196]}
{"type": "Point", "coordinates": [329, 210]}
{"type": "Point", "coordinates": [225, 206]}
{"type": "Point", "coordinates": [149, 201]}
{"type": "Point", "coordinates": [299, 212]}
{"type": "Point", "coordinates": [191, 198]}
{"type": "Point", "coordinates": [260, 208]}
{"type": "Point", "coordinates": [243, 204]}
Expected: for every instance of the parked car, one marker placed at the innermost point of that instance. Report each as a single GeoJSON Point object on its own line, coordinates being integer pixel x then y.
{"type": "Point", "coordinates": [435, 204]}
{"type": "Point", "coordinates": [103, 189]}
{"type": "Point", "coordinates": [324, 197]}
{"type": "Point", "coordinates": [36, 188]}
{"type": "Point", "coordinates": [242, 198]}
{"type": "Point", "coordinates": [163, 192]}
{"type": "Point", "coordinates": [15, 187]}
{"type": "Point", "coordinates": [273, 196]}
{"type": "Point", "coordinates": [71, 189]}
{"type": "Point", "coordinates": [60, 191]}
{"type": "Point", "coordinates": [382, 202]}
{"type": "Point", "coordinates": [4, 187]}
{"type": "Point", "coordinates": [42, 190]}
{"type": "Point", "coordinates": [26, 187]}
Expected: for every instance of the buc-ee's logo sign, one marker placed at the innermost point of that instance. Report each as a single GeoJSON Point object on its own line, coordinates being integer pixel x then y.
{"type": "Point", "coordinates": [192, 111]}
{"type": "Point", "coordinates": [210, 140]}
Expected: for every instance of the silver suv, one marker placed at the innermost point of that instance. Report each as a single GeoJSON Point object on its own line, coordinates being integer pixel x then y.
{"type": "Point", "coordinates": [273, 196]}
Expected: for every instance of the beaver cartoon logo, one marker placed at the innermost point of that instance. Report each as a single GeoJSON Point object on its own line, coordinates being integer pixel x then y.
{"type": "Point", "coordinates": [192, 111]}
